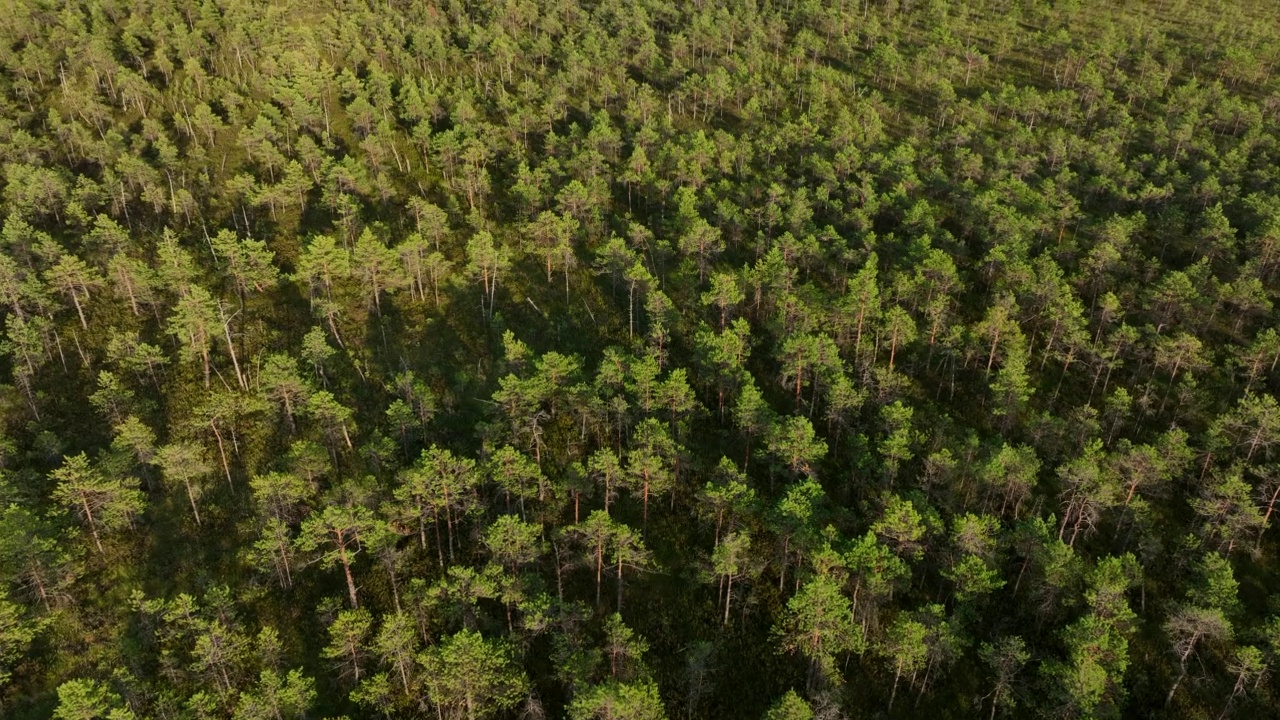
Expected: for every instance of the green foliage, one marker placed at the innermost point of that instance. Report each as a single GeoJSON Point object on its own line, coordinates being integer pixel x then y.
{"type": "Point", "coordinates": [1005, 658]}
{"type": "Point", "coordinates": [935, 334]}
{"type": "Point", "coordinates": [16, 635]}
{"type": "Point", "coordinates": [276, 696]}
{"type": "Point", "coordinates": [790, 707]}
{"type": "Point", "coordinates": [470, 677]}
{"type": "Point", "coordinates": [88, 700]}
{"type": "Point", "coordinates": [619, 701]}
{"type": "Point", "coordinates": [818, 625]}
{"type": "Point", "coordinates": [103, 505]}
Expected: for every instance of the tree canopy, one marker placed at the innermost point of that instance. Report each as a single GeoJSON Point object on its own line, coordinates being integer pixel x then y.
{"type": "Point", "coordinates": [602, 359]}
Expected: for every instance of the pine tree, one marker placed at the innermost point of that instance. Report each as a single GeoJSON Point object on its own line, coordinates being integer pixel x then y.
{"type": "Point", "coordinates": [103, 505]}
{"type": "Point", "coordinates": [472, 678]}
{"type": "Point", "coordinates": [184, 463]}
{"type": "Point", "coordinates": [818, 624]}
{"type": "Point", "coordinates": [335, 533]}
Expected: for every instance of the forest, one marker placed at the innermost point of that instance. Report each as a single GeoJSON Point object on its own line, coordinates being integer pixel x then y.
{"type": "Point", "coordinates": [639, 359]}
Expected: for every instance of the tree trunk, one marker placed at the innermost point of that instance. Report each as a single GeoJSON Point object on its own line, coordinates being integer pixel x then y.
{"type": "Point", "coordinates": [288, 411]}
{"type": "Point", "coordinates": [619, 582]}
{"type": "Point", "coordinates": [204, 355]}
{"type": "Point", "coordinates": [231, 349]}
{"type": "Point", "coordinates": [128, 288]}
{"type": "Point", "coordinates": [93, 526]}
{"type": "Point", "coordinates": [226, 468]}
{"type": "Point", "coordinates": [346, 569]}
{"type": "Point", "coordinates": [1271, 506]}
{"type": "Point", "coordinates": [728, 598]}
{"type": "Point", "coordinates": [599, 570]}
{"type": "Point", "coordinates": [1176, 683]}
{"type": "Point", "coordinates": [559, 573]}
{"type": "Point", "coordinates": [404, 675]}
{"type": "Point", "coordinates": [1133, 487]}
{"type": "Point", "coordinates": [191, 496]}
{"type": "Point", "coordinates": [284, 562]}
{"type": "Point", "coordinates": [782, 573]}
{"type": "Point", "coordinates": [646, 499]}
{"type": "Point", "coordinates": [448, 522]}
{"type": "Point", "coordinates": [439, 542]}
{"type": "Point", "coordinates": [1182, 664]}
{"type": "Point", "coordinates": [991, 358]}
{"type": "Point", "coordinates": [79, 310]}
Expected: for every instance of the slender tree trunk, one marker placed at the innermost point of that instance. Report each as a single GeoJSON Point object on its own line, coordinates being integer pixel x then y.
{"type": "Point", "coordinates": [439, 542]}
{"type": "Point", "coordinates": [1133, 487]}
{"type": "Point", "coordinates": [728, 598]}
{"type": "Point", "coordinates": [128, 288]}
{"type": "Point", "coordinates": [226, 468]}
{"type": "Point", "coordinates": [646, 499]}
{"type": "Point", "coordinates": [40, 590]}
{"type": "Point", "coordinates": [284, 562]}
{"type": "Point", "coordinates": [448, 522]}
{"type": "Point", "coordinates": [204, 355]}
{"type": "Point", "coordinates": [1021, 572]}
{"type": "Point", "coordinates": [559, 573]}
{"type": "Point", "coordinates": [619, 582]}
{"type": "Point", "coordinates": [1182, 665]}
{"type": "Point", "coordinates": [404, 676]}
{"type": "Point", "coordinates": [79, 310]}
{"type": "Point", "coordinates": [924, 685]}
{"type": "Point", "coordinates": [395, 585]}
{"type": "Point", "coordinates": [93, 525]}
{"type": "Point", "coordinates": [191, 496]}
{"type": "Point", "coordinates": [231, 348]}
{"type": "Point", "coordinates": [346, 569]}
{"type": "Point", "coordinates": [599, 569]}
{"type": "Point", "coordinates": [1176, 683]}
{"type": "Point", "coordinates": [1271, 506]}
{"type": "Point", "coordinates": [782, 573]}
{"type": "Point", "coordinates": [991, 358]}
